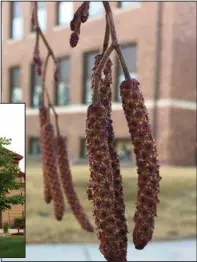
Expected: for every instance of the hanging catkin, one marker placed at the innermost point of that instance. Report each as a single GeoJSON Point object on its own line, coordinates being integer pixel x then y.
{"type": "Point", "coordinates": [68, 186]}
{"type": "Point", "coordinates": [43, 117]}
{"type": "Point", "coordinates": [97, 60]}
{"type": "Point", "coordinates": [119, 206]}
{"type": "Point", "coordinates": [146, 160]}
{"type": "Point", "coordinates": [102, 188]}
{"type": "Point", "coordinates": [51, 169]}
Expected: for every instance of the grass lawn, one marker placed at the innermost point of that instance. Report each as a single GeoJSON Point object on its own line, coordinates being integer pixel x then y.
{"type": "Point", "coordinates": [176, 214]}
{"type": "Point", "coordinates": [12, 247]}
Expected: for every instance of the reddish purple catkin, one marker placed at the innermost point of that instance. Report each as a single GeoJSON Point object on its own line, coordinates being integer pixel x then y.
{"type": "Point", "coordinates": [96, 64]}
{"type": "Point", "coordinates": [102, 187]}
{"type": "Point", "coordinates": [43, 117]}
{"type": "Point", "coordinates": [51, 169]}
{"type": "Point", "coordinates": [119, 208]}
{"type": "Point", "coordinates": [68, 186]}
{"type": "Point", "coordinates": [146, 160]}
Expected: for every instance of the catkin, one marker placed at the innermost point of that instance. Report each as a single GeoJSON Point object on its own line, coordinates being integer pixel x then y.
{"type": "Point", "coordinates": [68, 186]}
{"type": "Point", "coordinates": [51, 169]}
{"type": "Point", "coordinates": [102, 189]}
{"type": "Point", "coordinates": [119, 206]}
{"type": "Point", "coordinates": [43, 117]}
{"type": "Point", "coordinates": [146, 160]}
{"type": "Point", "coordinates": [97, 60]}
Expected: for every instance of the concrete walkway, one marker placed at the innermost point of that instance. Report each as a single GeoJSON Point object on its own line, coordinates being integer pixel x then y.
{"type": "Point", "coordinates": [155, 251]}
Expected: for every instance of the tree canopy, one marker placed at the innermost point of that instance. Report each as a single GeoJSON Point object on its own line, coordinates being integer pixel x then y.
{"type": "Point", "coordinates": [8, 180]}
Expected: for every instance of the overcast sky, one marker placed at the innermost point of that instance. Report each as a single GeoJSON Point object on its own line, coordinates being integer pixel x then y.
{"type": "Point", "coordinates": [12, 125]}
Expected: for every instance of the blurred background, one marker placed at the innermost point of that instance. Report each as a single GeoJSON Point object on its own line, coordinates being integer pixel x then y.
{"type": "Point", "coordinates": [158, 40]}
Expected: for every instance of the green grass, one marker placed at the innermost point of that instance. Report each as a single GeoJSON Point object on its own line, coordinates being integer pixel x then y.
{"type": "Point", "coordinates": [176, 213]}
{"type": "Point", "coordinates": [12, 247]}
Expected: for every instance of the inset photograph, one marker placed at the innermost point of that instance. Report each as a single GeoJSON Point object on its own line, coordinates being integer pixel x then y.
{"type": "Point", "coordinates": [12, 181]}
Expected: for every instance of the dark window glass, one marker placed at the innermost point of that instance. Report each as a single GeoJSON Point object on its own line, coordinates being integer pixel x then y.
{"type": "Point", "coordinates": [36, 88]}
{"type": "Point", "coordinates": [88, 65]}
{"type": "Point", "coordinates": [83, 149]}
{"type": "Point", "coordinates": [15, 88]}
{"type": "Point", "coordinates": [16, 21]}
{"type": "Point", "coordinates": [62, 88]}
{"type": "Point", "coordinates": [129, 52]}
{"type": "Point", "coordinates": [64, 12]}
{"type": "Point", "coordinates": [128, 4]}
{"type": "Point", "coordinates": [34, 146]}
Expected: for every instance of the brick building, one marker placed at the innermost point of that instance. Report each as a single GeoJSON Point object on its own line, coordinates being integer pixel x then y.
{"type": "Point", "coordinates": [16, 210]}
{"type": "Point", "coordinates": [159, 43]}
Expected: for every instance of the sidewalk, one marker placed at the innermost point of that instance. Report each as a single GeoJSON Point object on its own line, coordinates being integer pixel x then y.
{"type": "Point", "coordinates": [158, 251]}
{"type": "Point", "coordinates": [9, 231]}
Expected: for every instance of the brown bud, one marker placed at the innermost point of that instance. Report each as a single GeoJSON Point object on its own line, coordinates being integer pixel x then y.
{"type": "Point", "coordinates": [74, 38]}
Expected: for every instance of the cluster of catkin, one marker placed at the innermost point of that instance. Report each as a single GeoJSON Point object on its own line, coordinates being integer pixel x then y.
{"type": "Point", "coordinates": [105, 186]}
{"type": "Point", "coordinates": [53, 184]}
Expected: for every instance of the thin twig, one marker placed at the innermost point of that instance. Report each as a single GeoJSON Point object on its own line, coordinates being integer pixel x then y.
{"type": "Point", "coordinates": [106, 37]}
{"type": "Point", "coordinates": [114, 39]}
{"type": "Point", "coordinates": [96, 96]}
{"type": "Point", "coordinates": [40, 33]}
{"type": "Point", "coordinates": [54, 112]}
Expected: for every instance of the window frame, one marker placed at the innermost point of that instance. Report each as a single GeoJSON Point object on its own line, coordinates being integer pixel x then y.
{"type": "Point", "coordinates": [57, 20]}
{"type": "Point", "coordinates": [12, 18]}
{"type": "Point", "coordinates": [31, 139]}
{"type": "Point", "coordinates": [32, 67]}
{"type": "Point", "coordinates": [66, 57]}
{"type": "Point", "coordinates": [11, 83]}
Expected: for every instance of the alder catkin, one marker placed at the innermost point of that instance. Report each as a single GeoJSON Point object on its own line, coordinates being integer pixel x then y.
{"type": "Point", "coordinates": [102, 187]}
{"type": "Point", "coordinates": [51, 169]}
{"type": "Point", "coordinates": [43, 117]}
{"type": "Point", "coordinates": [146, 160]}
{"type": "Point", "coordinates": [97, 60]}
{"type": "Point", "coordinates": [68, 186]}
{"type": "Point", "coordinates": [119, 206]}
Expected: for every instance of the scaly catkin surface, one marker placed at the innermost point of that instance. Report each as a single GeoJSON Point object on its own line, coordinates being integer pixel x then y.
{"type": "Point", "coordinates": [97, 60]}
{"type": "Point", "coordinates": [51, 168]}
{"type": "Point", "coordinates": [43, 117]}
{"type": "Point", "coordinates": [119, 208]}
{"type": "Point", "coordinates": [146, 160]}
{"type": "Point", "coordinates": [102, 188]}
{"type": "Point", "coordinates": [68, 186]}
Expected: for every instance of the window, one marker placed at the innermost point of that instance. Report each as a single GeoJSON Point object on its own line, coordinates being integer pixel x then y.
{"type": "Point", "coordinates": [64, 13]}
{"type": "Point", "coordinates": [36, 88]}
{"type": "Point", "coordinates": [16, 22]}
{"type": "Point", "coordinates": [128, 4]}
{"type": "Point", "coordinates": [15, 88]}
{"type": "Point", "coordinates": [42, 15]}
{"type": "Point", "coordinates": [83, 149]}
{"type": "Point", "coordinates": [96, 9]}
{"type": "Point", "coordinates": [62, 89]}
{"type": "Point", "coordinates": [88, 65]}
{"type": "Point", "coordinates": [129, 53]}
{"type": "Point", "coordinates": [34, 146]}
{"type": "Point", "coordinates": [124, 147]}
